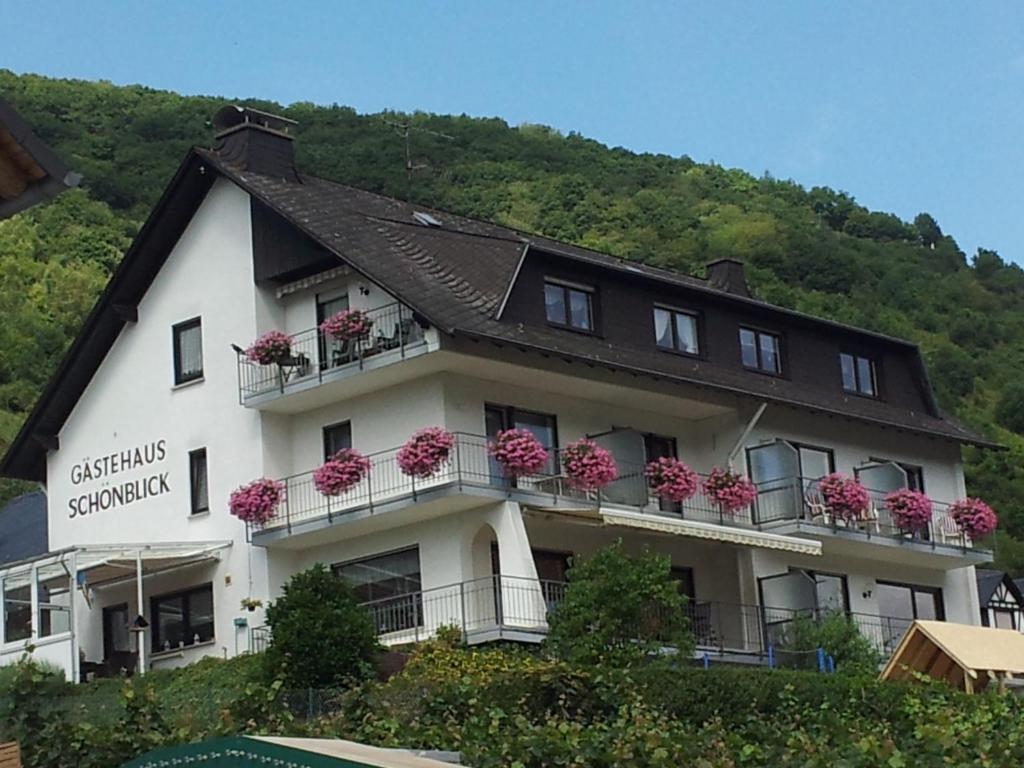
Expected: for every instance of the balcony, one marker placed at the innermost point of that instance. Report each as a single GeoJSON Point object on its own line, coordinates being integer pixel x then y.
{"type": "Point", "coordinates": [471, 477]}
{"type": "Point", "coordinates": [317, 359]}
{"type": "Point", "coordinates": [514, 608]}
{"type": "Point", "coordinates": [792, 506]}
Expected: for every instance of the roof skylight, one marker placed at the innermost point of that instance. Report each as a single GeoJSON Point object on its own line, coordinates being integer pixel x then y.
{"type": "Point", "coordinates": [426, 219]}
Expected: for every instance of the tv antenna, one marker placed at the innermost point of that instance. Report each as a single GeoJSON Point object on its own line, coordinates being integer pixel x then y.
{"type": "Point", "coordinates": [405, 130]}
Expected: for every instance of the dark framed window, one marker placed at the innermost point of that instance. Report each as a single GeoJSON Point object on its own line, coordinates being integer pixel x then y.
{"type": "Point", "coordinates": [188, 350]}
{"type": "Point", "coordinates": [899, 604]}
{"type": "Point", "coordinates": [182, 618]}
{"type": "Point", "coordinates": [198, 480]}
{"type": "Point", "coordinates": [391, 584]}
{"type": "Point", "coordinates": [683, 576]}
{"type": "Point", "coordinates": [544, 427]}
{"type": "Point", "coordinates": [761, 351]}
{"type": "Point", "coordinates": [677, 330]}
{"type": "Point", "coordinates": [569, 306]}
{"type": "Point", "coordinates": [116, 632]}
{"type": "Point", "coordinates": [337, 437]}
{"type": "Point", "coordinates": [859, 374]}
{"type": "Point", "coordinates": [332, 351]}
{"type": "Point", "coordinates": [17, 609]}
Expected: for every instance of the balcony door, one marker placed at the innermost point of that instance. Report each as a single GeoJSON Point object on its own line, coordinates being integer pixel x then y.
{"type": "Point", "coordinates": [331, 351]}
{"type": "Point", "coordinates": [775, 468]}
{"type": "Point", "coordinates": [799, 593]}
{"type": "Point", "coordinates": [544, 427]}
{"type": "Point", "coordinates": [880, 479]}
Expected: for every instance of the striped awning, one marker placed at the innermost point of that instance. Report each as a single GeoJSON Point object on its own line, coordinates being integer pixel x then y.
{"type": "Point", "coordinates": [748, 537]}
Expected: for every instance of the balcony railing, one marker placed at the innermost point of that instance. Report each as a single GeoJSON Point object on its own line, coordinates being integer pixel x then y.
{"type": "Point", "coordinates": [316, 356]}
{"type": "Point", "coordinates": [497, 606]}
{"type": "Point", "coordinates": [797, 499]}
{"type": "Point", "coordinates": [471, 470]}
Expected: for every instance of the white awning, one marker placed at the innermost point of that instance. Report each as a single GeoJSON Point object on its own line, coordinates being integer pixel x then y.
{"type": "Point", "coordinates": [748, 537]}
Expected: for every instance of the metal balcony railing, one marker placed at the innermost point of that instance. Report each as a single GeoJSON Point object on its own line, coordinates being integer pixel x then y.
{"type": "Point", "coordinates": [470, 469]}
{"type": "Point", "coordinates": [316, 356]}
{"type": "Point", "coordinates": [797, 498]}
{"type": "Point", "coordinates": [489, 606]}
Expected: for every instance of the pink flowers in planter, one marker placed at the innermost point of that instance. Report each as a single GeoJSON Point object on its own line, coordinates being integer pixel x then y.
{"type": "Point", "coordinates": [340, 473]}
{"type": "Point", "coordinates": [587, 465]}
{"type": "Point", "coordinates": [347, 324]}
{"type": "Point", "coordinates": [974, 517]}
{"type": "Point", "coordinates": [910, 510]}
{"type": "Point", "coordinates": [256, 502]}
{"type": "Point", "coordinates": [729, 490]}
{"type": "Point", "coordinates": [519, 452]}
{"type": "Point", "coordinates": [844, 496]}
{"type": "Point", "coordinates": [671, 479]}
{"type": "Point", "coordinates": [425, 452]}
{"type": "Point", "coordinates": [272, 347]}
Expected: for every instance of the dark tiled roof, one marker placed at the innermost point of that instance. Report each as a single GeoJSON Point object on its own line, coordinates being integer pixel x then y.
{"type": "Point", "coordinates": [29, 171]}
{"type": "Point", "coordinates": [988, 582]}
{"type": "Point", "coordinates": [23, 531]}
{"type": "Point", "coordinates": [457, 276]}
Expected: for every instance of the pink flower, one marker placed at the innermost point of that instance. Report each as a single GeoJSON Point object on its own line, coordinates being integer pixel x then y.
{"type": "Point", "coordinates": [731, 491]}
{"type": "Point", "coordinates": [271, 347]}
{"type": "Point", "coordinates": [587, 465]}
{"type": "Point", "coordinates": [844, 496]}
{"type": "Point", "coordinates": [671, 479]}
{"type": "Point", "coordinates": [347, 324]}
{"type": "Point", "coordinates": [425, 452]}
{"type": "Point", "coordinates": [910, 510]}
{"type": "Point", "coordinates": [340, 473]}
{"type": "Point", "coordinates": [974, 517]}
{"type": "Point", "coordinates": [519, 452]}
{"type": "Point", "coordinates": [257, 501]}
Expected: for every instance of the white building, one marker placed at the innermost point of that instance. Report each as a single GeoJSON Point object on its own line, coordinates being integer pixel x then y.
{"type": "Point", "coordinates": [153, 419]}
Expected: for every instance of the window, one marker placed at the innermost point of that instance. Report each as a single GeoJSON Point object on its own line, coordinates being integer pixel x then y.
{"type": "Point", "coordinates": [683, 576]}
{"type": "Point", "coordinates": [858, 374]}
{"type": "Point", "coordinates": [182, 618]}
{"type": "Point", "coordinates": [198, 481]}
{"type": "Point", "coordinates": [676, 330]}
{"type": "Point", "coordinates": [17, 608]}
{"type": "Point", "coordinates": [332, 351]}
{"type": "Point", "coordinates": [337, 437]}
{"type": "Point", "coordinates": [760, 351]}
{"type": "Point", "coordinates": [569, 306]}
{"type": "Point", "coordinates": [544, 426]}
{"type": "Point", "coordinates": [116, 634]}
{"type": "Point", "coordinates": [188, 351]}
{"type": "Point", "coordinates": [53, 586]}
{"type": "Point", "coordinates": [900, 604]}
{"type": "Point", "coordinates": [392, 584]}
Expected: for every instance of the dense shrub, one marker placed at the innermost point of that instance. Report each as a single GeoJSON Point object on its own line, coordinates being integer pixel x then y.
{"type": "Point", "coordinates": [619, 610]}
{"type": "Point", "coordinates": [321, 637]}
{"type": "Point", "coordinates": [838, 636]}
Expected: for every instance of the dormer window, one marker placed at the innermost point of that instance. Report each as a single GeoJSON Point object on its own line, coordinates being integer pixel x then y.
{"type": "Point", "coordinates": [760, 351]}
{"type": "Point", "coordinates": [859, 375]}
{"type": "Point", "coordinates": [569, 306]}
{"type": "Point", "coordinates": [676, 330]}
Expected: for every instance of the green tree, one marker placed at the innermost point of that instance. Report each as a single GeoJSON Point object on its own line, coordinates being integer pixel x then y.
{"type": "Point", "coordinates": [620, 610]}
{"type": "Point", "coordinates": [321, 636]}
{"type": "Point", "coordinates": [1010, 408]}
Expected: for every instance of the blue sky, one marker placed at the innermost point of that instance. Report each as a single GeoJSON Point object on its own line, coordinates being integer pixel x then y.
{"type": "Point", "coordinates": [909, 106]}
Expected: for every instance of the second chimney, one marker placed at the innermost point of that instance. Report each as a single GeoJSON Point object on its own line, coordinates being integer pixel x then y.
{"type": "Point", "coordinates": [250, 140]}
{"type": "Point", "coordinates": [727, 275]}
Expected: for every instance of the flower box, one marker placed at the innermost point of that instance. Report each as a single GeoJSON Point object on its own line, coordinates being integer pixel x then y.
{"type": "Point", "coordinates": [425, 452]}
{"type": "Point", "coordinates": [341, 473]}
{"type": "Point", "coordinates": [588, 466]}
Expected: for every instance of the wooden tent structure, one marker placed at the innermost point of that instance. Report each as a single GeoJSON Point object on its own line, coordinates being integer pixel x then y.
{"type": "Point", "coordinates": [10, 755]}
{"type": "Point", "coordinates": [263, 751]}
{"type": "Point", "coordinates": [967, 657]}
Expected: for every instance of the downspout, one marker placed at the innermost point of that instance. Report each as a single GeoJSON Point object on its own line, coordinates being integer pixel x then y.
{"type": "Point", "coordinates": [138, 597]}
{"type": "Point", "coordinates": [741, 441]}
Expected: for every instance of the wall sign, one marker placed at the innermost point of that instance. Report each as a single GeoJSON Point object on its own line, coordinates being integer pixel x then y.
{"type": "Point", "coordinates": [107, 469]}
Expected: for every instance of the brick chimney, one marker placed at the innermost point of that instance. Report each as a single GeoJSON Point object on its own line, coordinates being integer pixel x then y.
{"type": "Point", "coordinates": [250, 140]}
{"type": "Point", "coordinates": [727, 275]}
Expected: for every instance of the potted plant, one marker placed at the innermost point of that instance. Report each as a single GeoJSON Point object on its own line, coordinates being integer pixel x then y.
{"type": "Point", "coordinates": [974, 517]}
{"type": "Point", "coordinates": [911, 510]}
{"type": "Point", "coordinates": [347, 325]}
{"type": "Point", "coordinates": [251, 603]}
{"type": "Point", "coordinates": [587, 465]}
{"type": "Point", "coordinates": [425, 452]}
{"type": "Point", "coordinates": [340, 473]}
{"type": "Point", "coordinates": [845, 498]}
{"type": "Point", "coordinates": [518, 452]}
{"type": "Point", "coordinates": [273, 347]}
{"type": "Point", "coordinates": [671, 479]}
{"type": "Point", "coordinates": [730, 490]}
{"type": "Point", "coordinates": [256, 502]}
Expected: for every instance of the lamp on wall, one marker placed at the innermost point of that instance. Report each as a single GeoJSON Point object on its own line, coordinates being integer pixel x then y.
{"type": "Point", "coordinates": [364, 291]}
{"type": "Point", "coordinates": [866, 594]}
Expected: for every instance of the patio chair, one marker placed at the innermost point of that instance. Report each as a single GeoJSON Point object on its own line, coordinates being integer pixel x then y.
{"type": "Point", "coordinates": [949, 531]}
{"type": "Point", "coordinates": [816, 507]}
{"type": "Point", "coordinates": [399, 335]}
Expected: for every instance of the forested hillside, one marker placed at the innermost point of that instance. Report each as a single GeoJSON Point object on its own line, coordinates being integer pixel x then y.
{"type": "Point", "coordinates": [816, 250]}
